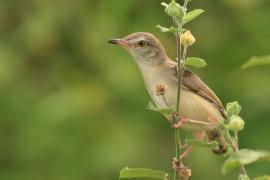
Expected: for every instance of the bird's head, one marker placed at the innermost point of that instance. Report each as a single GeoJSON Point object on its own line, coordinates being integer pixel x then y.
{"type": "Point", "coordinates": [144, 47]}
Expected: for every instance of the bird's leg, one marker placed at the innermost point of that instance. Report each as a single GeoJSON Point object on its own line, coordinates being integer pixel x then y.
{"type": "Point", "coordinates": [198, 135]}
{"type": "Point", "coordinates": [176, 162]}
{"type": "Point", "coordinates": [186, 152]}
{"type": "Point", "coordinates": [184, 120]}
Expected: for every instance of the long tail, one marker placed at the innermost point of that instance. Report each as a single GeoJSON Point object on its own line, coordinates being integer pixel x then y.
{"type": "Point", "coordinates": [219, 137]}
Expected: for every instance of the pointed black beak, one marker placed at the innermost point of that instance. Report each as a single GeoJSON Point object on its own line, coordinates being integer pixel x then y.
{"type": "Point", "coordinates": [115, 41]}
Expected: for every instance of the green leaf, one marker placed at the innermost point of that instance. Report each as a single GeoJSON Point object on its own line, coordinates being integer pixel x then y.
{"type": "Point", "coordinates": [171, 29]}
{"type": "Point", "coordinates": [244, 157]}
{"type": "Point", "coordinates": [151, 106]}
{"type": "Point", "coordinates": [192, 15]}
{"type": "Point", "coordinates": [233, 108]}
{"type": "Point", "coordinates": [257, 61]}
{"type": "Point", "coordinates": [164, 4]}
{"type": "Point", "coordinates": [142, 173]}
{"type": "Point", "coordinates": [262, 178]}
{"type": "Point", "coordinates": [195, 62]}
{"type": "Point", "coordinates": [167, 112]}
{"type": "Point", "coordinates": [212, 144]}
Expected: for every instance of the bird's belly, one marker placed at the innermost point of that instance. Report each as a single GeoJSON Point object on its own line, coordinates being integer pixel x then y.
{"type": "Point", "coordinates": [196, 108]}
{"type": "Point", "coordinates": [192, 106]}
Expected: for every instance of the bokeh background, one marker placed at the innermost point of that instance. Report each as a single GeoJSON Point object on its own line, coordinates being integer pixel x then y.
{"type": "Point", "coordinates": [73, 106]}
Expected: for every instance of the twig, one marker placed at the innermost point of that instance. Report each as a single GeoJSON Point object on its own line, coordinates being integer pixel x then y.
{"type": "Point", "coordinates": [235, 147]}
{"type": "Point", "coordinates": [180, 69]}
{"type": "Point", "coordinates": [165, 100]}
{"type": "Point", "coordinates": [179, 82]}
{"type": "Point", "coordinates": [243, 169]}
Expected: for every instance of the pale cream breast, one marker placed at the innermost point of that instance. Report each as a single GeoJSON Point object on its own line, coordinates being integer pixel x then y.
{"type": "Point", "coordinates": [155, 76]}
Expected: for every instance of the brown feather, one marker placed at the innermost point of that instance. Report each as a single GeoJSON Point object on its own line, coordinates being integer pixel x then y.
{"type": "Point", "coordinates": [193, 83]}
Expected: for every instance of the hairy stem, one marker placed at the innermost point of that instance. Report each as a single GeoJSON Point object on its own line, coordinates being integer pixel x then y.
{"type": "Point", "coordinates": [165, 100]}
{"type": "Point", "coordinates": [235, 146]}
{"type": "Point", "coordinates": [179, 80]}
{"type": "Point", "coordinates": [184, 55]}
{"type": "Point", "coordinates": [180, 68]}
{"type": "Point", "coordinates": [185, 3]}
{"type": "Point", "coordinates": [243, 169]}
{"type": "Point", "coordinates": [179, 74]}
{"type": "Point", "coordinates": [177, 150]}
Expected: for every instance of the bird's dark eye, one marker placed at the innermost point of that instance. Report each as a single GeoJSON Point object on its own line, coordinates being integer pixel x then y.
{"type": "Point", "coordinates": [142, 43]}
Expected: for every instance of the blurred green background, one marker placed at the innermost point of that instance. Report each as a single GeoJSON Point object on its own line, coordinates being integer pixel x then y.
{"type": "Point", "coordinates": [73, 106]}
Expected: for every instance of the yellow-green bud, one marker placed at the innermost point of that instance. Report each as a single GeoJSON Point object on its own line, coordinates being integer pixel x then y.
{"type": "Point", "coordinates": [187, 39]}
{"type": "Point", "coordinates": [233, 108]}
{"type": "Point", "coordinates": [236, 123]}
{"type": "Point", "coordinates": [175, 10]}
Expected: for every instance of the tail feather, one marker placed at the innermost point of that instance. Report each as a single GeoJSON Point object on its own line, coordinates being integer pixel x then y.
{"type": "Point", "coordinates": [218, 137]}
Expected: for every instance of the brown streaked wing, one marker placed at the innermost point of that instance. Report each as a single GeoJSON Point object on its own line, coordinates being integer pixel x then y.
{"type": "Point", "coordinates": [193, 83]}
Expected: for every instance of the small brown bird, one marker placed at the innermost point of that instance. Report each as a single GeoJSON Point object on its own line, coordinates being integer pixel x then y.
{"type": "Point", "coordinates": [200, 109]}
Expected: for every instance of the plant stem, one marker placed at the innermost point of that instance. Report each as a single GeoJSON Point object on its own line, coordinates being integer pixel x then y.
{"type": "Point", "coordinates": [185, 3]}
{"type": "Point", "coordinates": [180, 66]}
{"type": "Point", "coordinates": [179, 80]}
{"type": "Point", "coordinates": [177, 150]}
{"type": "Point", "coordinates": [243, 169]}
{"type": "Point", "coordinates": [179, 74]}
{"type": "Point", "coordinates": [178, 144]}
{"type": "Point", "coordinates": [175, 175]}
{"type": "Point", "coordinates": [184, 54]}
{"type": "Point", "coordinates": [165, 100]}
{"type": "Point", "coordinates": [235, 147]}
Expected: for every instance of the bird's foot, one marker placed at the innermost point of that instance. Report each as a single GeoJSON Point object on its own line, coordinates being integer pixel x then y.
{"type": "Point", "coordinates": [186, 152]}
{"type": "Point", "coordinates": [176, 165]}
{"type": "Point", "coordinates": [177, 162]}
{"type": "Point", "coordinates": [180, 123]}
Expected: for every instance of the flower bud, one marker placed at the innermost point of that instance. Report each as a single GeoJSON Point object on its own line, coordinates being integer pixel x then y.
{"type": "Point", "coordinates": [233, 108]}
{"type": "Point", "coordinates": [176, 11]}
{"type": "Point", "coordinates": [187, 39]}
{"type": "Point", "coordinates": [236, 123]}
{"type": "Point", "coordinates": [160, 89]}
